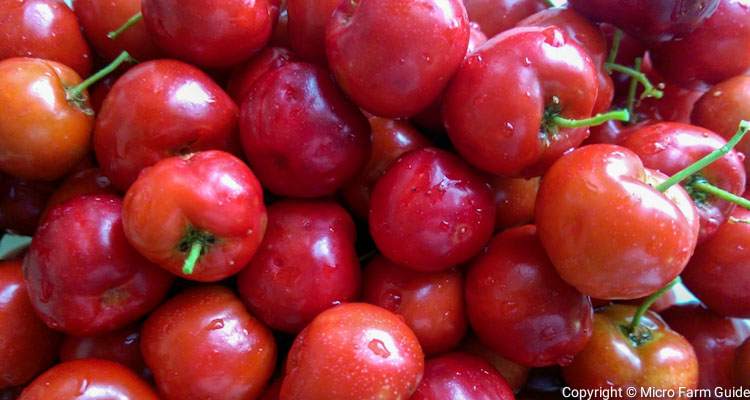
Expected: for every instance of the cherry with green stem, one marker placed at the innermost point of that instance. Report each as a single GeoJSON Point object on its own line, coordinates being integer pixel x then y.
{"type": "Point", "coordinates": [76, 95]}
{"type": "Point", "coordinates": [130, 22]}
{"type": "Point", "coordinates": [553, 120]}
{"type": "Point", "coordinates": [637, 333]}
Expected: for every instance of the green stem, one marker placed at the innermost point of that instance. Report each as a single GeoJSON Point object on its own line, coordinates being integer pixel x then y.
{"type": "Point", "coordinates": [632, 90]}
{"type": "Point", "coordinates": [648, 302]}
{"type": "Point", "coordinates": [550, 3]}
{"type": "Point", "coordinates": [707, 160]}
{"type": "Point", "coordinates": [616, 40]}
{"type": "Point", "coordinates": [75, 93]}
{"type": "Point", "coordinates": [195, 251]}
{"type": "Point", "coordinates": [598, 119]}
{"type": "Point", "coordinates": [648, 89]}
{"type": "Point", "coordinates": [130, 22]}
{"type": "Point", "coordinates": [720, 193]}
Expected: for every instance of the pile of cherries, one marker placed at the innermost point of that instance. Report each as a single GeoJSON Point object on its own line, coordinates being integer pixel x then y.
{"type": "Point", "coordinates": [370, 199]}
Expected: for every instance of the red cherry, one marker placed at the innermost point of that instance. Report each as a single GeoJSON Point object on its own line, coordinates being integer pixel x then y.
{"type": "Point", "coordinates": [515, 200]}
{"type": "Point", "coordinates": [121, 346]}
{"type": "Point", "coordinates": [514, 374]}
{"type": "Point", "coordinates": [307, 27]}
{"type": "Point", "coordinates": [244, 77]}
{"type": "Point", "coordinates": [22, 203]}
{"type": "Point", "coordinates": [461, 376]}
{"type": "Point", "coordinates": [89, 181]}
{"type": "Point", "coordinates": [495, 16]}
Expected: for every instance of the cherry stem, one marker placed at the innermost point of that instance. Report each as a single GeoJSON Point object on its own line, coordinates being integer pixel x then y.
{"type": "Point", "coordinates": [704, 186]}
{"type": "Point", "coordinates": [550, 3]}
{"type": "Point", "coordinates": [598, 119]}
{"type": "Point", "coordinates": [76, 91]}
{"type": "Point", "coordinates": [130, 22]}
{"type": "Point", "coordinates": [649, 90]}
{"type": "Point", "coordinates": [195, 251]}
{"type": "Point", "coordinates": [648, 302]}
{"type": "Point", "coordinates": [707, 160]}
{"type": "Point", "coordinates": [616, 39]}
{"type": "Point", "coordinates": [632, 90]}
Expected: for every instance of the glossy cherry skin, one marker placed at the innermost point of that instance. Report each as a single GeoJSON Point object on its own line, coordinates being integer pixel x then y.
{"type": "Point", "coordinates": [391, 139]}
{"type": "Point", "coordinates": [88, 379]}
{"type": "Point", "coordinates": [519, 306]}
{"type": "Point", "coordinates": [300, 134]}
{"type": "Point", "coordinates": [531, 65]}
{"type": "Point", "coordinates": [717, 50]}
{"type": "Point", "coordinates": [280, 35]}
{"type": "Point", "coordinates": [306, 264]}
{"type": "Point", "coordinates": [83, 276]}
{"type": "Point", "coordinates": [42, 134]}
{"type": "Point", "coordinates": [210, 196]}
{"type": "Point", "coordinates": [45, 29]}
{"type": "Point", "coordinates": [396, 72]}
{"type": "Point", "coordinates": [495, 16]}
{"type": "Point", "coordinates": [89, 181]}
{"type": "Point", "coordinates": [718, 271]}
{"type": "Point", "coordinates": [607, 230]}
{"type": "Point", "coordinates": [353, 351]}
{"type": "Point", "coordinates": [515, 200]}
{"type": "Point", "coordinates": [742, 365]}
{"type": "Point", "coordinates": [98, 18]}
{"type": "Point", "coordinates": [121, 346]}
{"type": "Point", "coordinates": [434, 202]}
{"type": "Point", "coordinates": [611, 359]}
{"type": "Point", "coordinates": [22, 203]}
{"type": "Point", "coordinates": [209, 33]}
{"type": "Point", "coordinates": [514, 374]}
{"type": "Point", "coordinates": [669, 147]}
{"type": "Point", "coordinates": [307, 27]}
{"type": "Point", "coordinates": [160, 109]}
{"type": "Point", "coordinates": [650, 21]}
{"type": "Point", "coordinates": [28, 346]}
{"type": "Point", "coordinates": [714, 338]}
{"type": "Point", "coordinates": [461, 376]}
{"type": "Point", "coordinates": [223, 352]}
{"type": "Point", "coordinates": [244, 77]}
{"type": "Point", "coordinates": [431, 303]}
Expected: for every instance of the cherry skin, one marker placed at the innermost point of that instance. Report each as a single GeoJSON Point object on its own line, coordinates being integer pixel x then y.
{"type": "Point", "coordinates": [598, 216]}
{"type": "Point", "coordinates": [742, 365]}
{"type": "Point", "coordinates": [649, 21]}
{"type": "Point", "coordinates": [663, 359]}
{"type": "Point", "coordinates": [515, 200]}
{"type": "Point", "coordinates": [28, 346]}
{"type": "Point", "coordinates": [203, 343]}
{"type": "Point", "coordinates": [121, 346]}
{"type": "Point", "coordinates": [717, 50]}
{"type": "Point", "coordinates": [243, 78]}
{"type": "Point", "coordinates": [280, 35]}
{"type": "Point", "coordinates": [306, 264]}
{"type": "Point", "coordinates": [300, 134]}
{"type": "Point", "coordinates": [273, 391]}
{"type": "Point", "coordinates": [45, 29]}
{"type": "Point", "coordinates": [714, 338]}
{"type": "Point", "coordinates": [514, 374]}
{"type": "Point", "coordinates": [88, 379]}
{"type": "Point", "coordinates": [209, 33]}
{"type": "Point", "coordinates": [670, 147]}
{"type": "Point", "coordinates": [22, 203]}
{"type": "Point", "coordinates": [43, 135]}
{"type": "Point", "coordinates": [391, 139]}
{"type": "Point", "coordinates": [98, 18]}
{"type": "Point", "coordinates": [495, 16]}
{"type": "Point", "coordinates": [519, 306]}
{"type": "Point", "coordinates": [431, 303]}
{"type": "Point", "coordinates": [160, 109]}
{"type": "Point", "coordinates": [434, 202]}
{"type": "Point", "coordinates": [89, 181]}
{"type": "Point", "coordinates": [83, 276]}
{"type": "Point", "coordinates": [461, 376]}
{"type": "Point", "coordinates": [546, 73]}
{"type": "Point", "coordinates": [209, 200]}
{"type": "Point", "coordinates": [396, 72]}
{"type": "Point", "coordinates": [353, 351]}
{"type": "Point", "coordinates": [717, 272]}
{"type": "Point", "coordinates": [307, 27]}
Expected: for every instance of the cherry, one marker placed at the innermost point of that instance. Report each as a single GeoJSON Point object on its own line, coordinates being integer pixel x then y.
{"type": "Point", "coordinates": [390, 140]}
{"type": "Point", "coordinates": [461, 376]}
{"type": "Point", "coordinates": [431, 200]}
{"type": "Point", "coordinates": [354, 351]}
{"type": "Point", "coordinates": [45, 29]}
{"type": "Point", "coordinates": [199, 216]}
{"type": "Point", "coordinates": [160, 109]}
{"type": "Point", "coordinates": [83, 276]}
{"type": "Point", "coordinates": [121, 346]}
{"type": "Point", "coordinates": [396, 72]}
{"type": "Point", "coordinates": [203, 343]}
{"type": "Point", "coordinates": [244, 77]}
{"type": "Point", "coordinates": [307, 27]}
{"type": "Point", "coordinates": [89, 181]}
{"type": "Point", "coordinates": [300, 134]}
{"type": "Point", "coordinates": [495, 16]}
{"type": "Point", "coordinates": [670, 147]}
{"type": "Point", "coordinates": [652, 357]}
{"type": "Point", "coordinates": [306, 264]}
{"type": "Point", "coordinates": [717, 272]}
{"type": "Point", "coordinates": [88, 379]}
{"type": "Point", "coordinates": [598, 218]}
{"type": "Point", "coordinates": [717, 50]}
{"type": "Point", "coordinates": [431, 303]}
{"type": "Point", "coordinates": [519, 306]}
{"type": "Point", "coordinates": [514, 374]}
{"type": "Point", "coordinates": [515, 200]}
{"type": "Point", "coordinates": [22, 203]}
{"type": "Point", "coordinates": [28, 346]}
{"type": "Point", "coordinates": [742, 365]}
{"type": "Point", "coordinates": [280, 35]}
{"type": "Point", "coordinates": [273, 391]}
